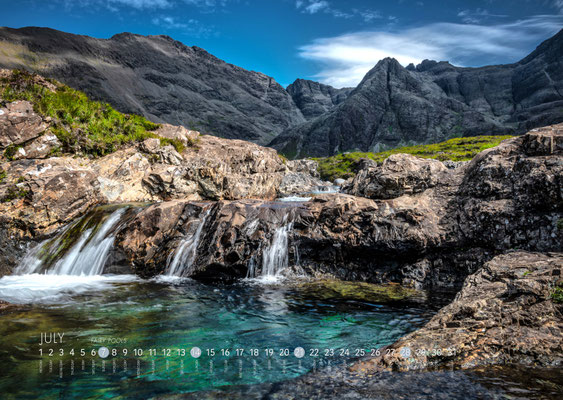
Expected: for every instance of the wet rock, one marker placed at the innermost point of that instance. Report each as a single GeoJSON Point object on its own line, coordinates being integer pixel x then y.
{"type": "Point", "coordinates": [504, 313]}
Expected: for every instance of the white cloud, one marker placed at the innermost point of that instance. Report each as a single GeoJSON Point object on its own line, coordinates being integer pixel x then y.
{"type": "Point", "coordinates": [322, 6]}
{"type": "Point", "coordinates": [370, 15]}
{"type": "Point", "coordinates": [168, 23]}
{"type": "Point", "coordinates": [559, 5]}
{"type": "Point", "coordinates": [476, 16]}
{"type": "Point", "coordinates": [209, 5]}
{"type": "Point", "coordinates": [347, 58]}
{"type": "Point", "coordinates": [316, 6]}
{"type": "Point", "coordinates": [141, 4]}
{"type": "Point", "coordinates": [191, 27]}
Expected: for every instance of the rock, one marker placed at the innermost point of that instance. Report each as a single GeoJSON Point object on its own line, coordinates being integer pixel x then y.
{"type": "Point", "coordinates": [544, 141]}
{"type": "Point", "coordinates": [314, 98]}
{"type": "Point", "coordinates": [399, 174]}
{"type": "Point", "coordinates": [39, 148]}
{"type": "Point", "coordinates": [339, 182]}
{"type": "Point", "coordinates": [19, 124]}
{"type": "Point", "coordinates": [504, 313]}
{"type": "Point", "coordinates": [187, 137]}
{"type": "Point", "coordinates": [394, 106]}
{"type": "Point", "coordinates": [166, 154]}
{"type": "Point", "coordinates": [309, 167]}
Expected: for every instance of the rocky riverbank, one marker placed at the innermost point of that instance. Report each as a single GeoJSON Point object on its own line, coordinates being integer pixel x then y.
{"type": "Point", "coordinates": [209, 204]}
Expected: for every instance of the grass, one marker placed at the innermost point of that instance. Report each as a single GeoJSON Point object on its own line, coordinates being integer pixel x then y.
{"type": "Point", "coordinates": [14, 192]}
{"type": "Point", "coordinates": [82, 125]}
{"type": "Point", "coordinates": [557, 294]}
{"type": "Point", "coordinates": [2, 175]}
{"type": "Point", "coordinates": [457, 149]}
{"type": "Point", "coordinates": [11, 151]}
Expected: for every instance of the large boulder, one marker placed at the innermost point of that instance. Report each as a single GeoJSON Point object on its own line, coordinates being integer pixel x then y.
{"type": "Point", "coordinates": [398, 175]}
{"type": "Point", "coordinates": [505, 312]}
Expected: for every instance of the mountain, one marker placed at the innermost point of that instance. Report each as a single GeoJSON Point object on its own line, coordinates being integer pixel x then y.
{"type": "Point", "coordinates": [314, 98]}
{"type": "Point", "coordinates": [434, 101]}
{"type": "Point", "coordinates": [159, 78]}
{"type": "Point", "coordinates": [167, 81]}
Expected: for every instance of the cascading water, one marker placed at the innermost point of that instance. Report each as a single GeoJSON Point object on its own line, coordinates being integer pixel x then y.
{"type": "Point", "coordinates": [87, 256]}
{"type": "Point", "coordinates": [275, 257]}
{"type": "Point", "coordinates": [70, 263]}
{"type": "Point", "coordinates": [184, 255]}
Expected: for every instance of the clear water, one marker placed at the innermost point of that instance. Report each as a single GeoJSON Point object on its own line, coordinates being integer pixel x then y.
{"type": "Point", "coordinates": [176, 314]}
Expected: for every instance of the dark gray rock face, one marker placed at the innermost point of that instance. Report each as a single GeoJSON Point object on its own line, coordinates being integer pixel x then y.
{"type": "Point", "coordinates": [314, 98]}
{"type": "Point", "coordinates": [157, 77]}
{"type": "Point", "coordinates": [434, 101]}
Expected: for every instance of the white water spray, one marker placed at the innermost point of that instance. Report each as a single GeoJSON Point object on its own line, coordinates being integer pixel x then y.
{"type": "Point", "coordinates": [275, 257]}
{"type": "Point", "coordinates": [184, 255]}
{"type": "Point", "coordinates": [87, 257]}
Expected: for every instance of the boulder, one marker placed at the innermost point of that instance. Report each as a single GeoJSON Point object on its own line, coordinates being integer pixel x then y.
{"type": "Point", "coordinates": [19, 124]}
{"type": "Point", "coordinates": [400, 174]}
{"type": "Point", "coordinates": [505, 313]}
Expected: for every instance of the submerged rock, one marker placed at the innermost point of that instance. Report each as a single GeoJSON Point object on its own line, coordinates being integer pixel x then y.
{"type": "Point", "coordinates": [359, 291]}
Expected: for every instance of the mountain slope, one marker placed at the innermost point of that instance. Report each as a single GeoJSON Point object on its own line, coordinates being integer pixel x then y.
{"type": "Point", "coordinates": [395, 106]}
{"type": "Point", "coordinates": [159, 78]}
{"type": "Point", "coordinates": [314, 98]}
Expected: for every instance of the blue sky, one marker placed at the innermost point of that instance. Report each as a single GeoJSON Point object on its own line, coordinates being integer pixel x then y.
{"type": "Point", "coordinates": [331, 41]}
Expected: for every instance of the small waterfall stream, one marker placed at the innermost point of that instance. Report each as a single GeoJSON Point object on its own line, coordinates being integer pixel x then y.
{"type": "Point", "coordinates": [184, 255]}
{"type": "Point", "coordinates": [81, 248]}
{"type": "Point", "coordinates": [275, 257]}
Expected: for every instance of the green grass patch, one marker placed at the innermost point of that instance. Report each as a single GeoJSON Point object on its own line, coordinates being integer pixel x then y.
{"type": "Point", "coordinates": [3, 175]}
{"type": "Point", "coordinates": [14, 193]}
{"type": "Point", "coordinates": [82, 125]}
{"type": "Point", "coordinates": [557, 294]}
{"type": "Point", "coordinates": [457, 149]}
{"type": "Point", "coordinates": [11, 151]}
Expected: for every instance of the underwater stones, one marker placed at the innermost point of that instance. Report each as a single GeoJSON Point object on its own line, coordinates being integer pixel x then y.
{"type": "Point", "coordinates": [360, 291]}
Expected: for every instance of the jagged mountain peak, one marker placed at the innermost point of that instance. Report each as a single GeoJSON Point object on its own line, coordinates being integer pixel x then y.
{"type": "Point", "coordinates": [434, 101]}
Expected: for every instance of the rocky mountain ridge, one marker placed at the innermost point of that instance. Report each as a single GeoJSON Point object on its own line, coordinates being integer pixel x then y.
{"type": "Point", "coordinates": [434, 101]}
{"type": "Point", "coordinates": [166, 81]}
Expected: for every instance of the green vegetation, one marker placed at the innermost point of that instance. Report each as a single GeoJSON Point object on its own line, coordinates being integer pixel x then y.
{"type": "Point", "coordinates": [560, 224]}
{"type": "Point", "coordinates": [557, 294]}
{"type": "Point", "coordinates": [82, 125]}
{"type": "Point", "coordinates": [14, 192]}
{"type": "Point", "coordinates": [457, 149]}
{"type": "Point", "coordinates": [2, 175]}
{"type": "Point", "coordinates": [11, 151]}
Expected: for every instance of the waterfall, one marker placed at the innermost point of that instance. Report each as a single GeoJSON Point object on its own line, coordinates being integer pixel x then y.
{"type": "Point", "coordinates": [80, 249]}
{"type": "Point", "coordinates": [184, 255]}
{"type": "Point", "coordinates": [275, 257]}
